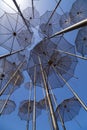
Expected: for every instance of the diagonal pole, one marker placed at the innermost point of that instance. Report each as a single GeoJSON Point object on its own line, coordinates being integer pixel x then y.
{"type": "Point", "coordinates": [71, 54]}
{"type": "Point", "coordinates": [54, 121]}
{"type": "Point", "coordinates": [70, 88]}
{"type": "Point", "coordinates": [3, 107]}
{"type": "Point", "coordinates": [12, 53]}
{"type": "Point", "coordinates": [21, 15]}
{"type": "Point", "coordinates": [70, 28]}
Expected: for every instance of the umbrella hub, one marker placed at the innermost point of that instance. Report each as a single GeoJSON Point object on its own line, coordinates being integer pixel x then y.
{"type": "Point", "coordinates": [79, 12]}
{"type": "Point", "coordinates": [50, 62]}
{"type": "Point", "coordinates": [14, 34]}
{"type": "Point", "coordinates": [2, 75]}
{"type": "Point", "coordinates": [84, 39]}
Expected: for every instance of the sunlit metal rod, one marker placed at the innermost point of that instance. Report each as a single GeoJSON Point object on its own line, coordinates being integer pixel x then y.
{"type": "Point", "coordinates": [12, 53]}
{"type": "Point", "coordinates": [70, 28]}
{"type": "Point", "coordinates": [21, 15]}
{"type": "Point", "coordinates": [54, 121]}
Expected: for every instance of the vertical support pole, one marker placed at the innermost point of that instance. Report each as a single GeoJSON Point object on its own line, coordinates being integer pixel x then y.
{"type": "Point", "coordinates": [34, 105]}
{"type": "Point", "coordinates": [54, 121]}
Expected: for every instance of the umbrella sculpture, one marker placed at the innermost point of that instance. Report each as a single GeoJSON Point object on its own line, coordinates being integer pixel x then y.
{"type": "Point", "coordinates": [14, 33]}
{"type": "Point", "coordinates": [50, 64]}
{"type": "Point", "coordinates": [6, 71]}
{"type": "Point", "coordinates": [53, 62]}
{"type": "Point", "coordinates": [9, 108]}
{"type": "Point", "coordinates": [28, 14]}
{"type": "Point", "coordinates": [68, 109]}
{"type": "Point", "coordinates": [81, 41]}
{"type": "Point", "coordinates": [65, 20]}
{"type": "Point", "coordinates": [78, 11]}
{"type": "Point", "coordinates": [26, 110]}
{"type": "Point", "coordinates": [46, 28]}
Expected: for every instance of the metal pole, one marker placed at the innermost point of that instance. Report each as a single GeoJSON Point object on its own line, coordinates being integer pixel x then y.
{"type": "Point", "coordinates": [71, 28]}
{"type": "Point", "coordinates": [34, 105]}
{"type": "Point", "coordinates": [21, 14]}
{"type": "Point", "coordinates": [54, 121]}
{"type": "Point", "coordinates": [12, 53]}
{"type": "Point", "coordinates": [32, 7]}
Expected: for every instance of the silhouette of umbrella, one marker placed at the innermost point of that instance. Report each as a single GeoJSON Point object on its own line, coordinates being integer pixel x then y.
{"type": "Point", "coordinates": [47, 29]}
{"type": "Point", "coordinates": [65, 20]}
{"type": "Point", "coordinates": [78, 11]}
{"type": "Point", "coordinates": [9, 108]}
{"type": "Point", "coordinates": [28, 14]}
{"type": "Point", "coordinates": [53, 62]}
{"type": "Point", "coordinates": [26, 110]}
{"type": "Point", "coordinates": [13, 31]}
{"type": "Point", "coordinates": [6, 71]}
{"type": "Point", "coordinates": [68, 109]}
{"type": "Point", "coordinates": [81, 41]}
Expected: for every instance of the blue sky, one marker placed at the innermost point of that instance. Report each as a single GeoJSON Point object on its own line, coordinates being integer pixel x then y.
{"type": "Point", "coordinates": [12, 121]}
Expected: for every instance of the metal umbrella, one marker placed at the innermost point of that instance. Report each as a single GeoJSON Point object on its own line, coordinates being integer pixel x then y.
{"type": "Point", "coordinates": [52, 58]}
{"type": "Point", "coordinates": [47, 29]}
{"type": "Point", "coordinates": [32, 19]}
{"type": "Point", "coordinates": [13, 31]}
{"type": "Point", "coordinates": [26, 110]}
{"type": "Point", "coordinates": [68, 109]}
{"type": "Point", "coordinates": [65, 20]}
{"type": "Point", "coordinates": [81, 41]}
{"type": "Point", "coordinates": [78, 11]}
{"type": "Point", "coordinates": [9, 108]}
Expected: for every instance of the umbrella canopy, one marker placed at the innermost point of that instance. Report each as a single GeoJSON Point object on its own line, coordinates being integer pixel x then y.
{"type": "Point", "coordinates": [81, 41]}
{"type": "Point", "coordinates": [26, 110]}
{"type": "Point", "coordinates": [53, 62]}
{"type": "Point", "coordinates": [28, 14]}
{"type": "Point", "coordinates": [7, 69]}
{"type": "Point", "coordinates": [68, 109]}
{"type": "Point", "coordinates": [65, 20]}
{"type": "Point", "coordinates": [14, 33]}
{"type": "Point", "coordinates": [46, 28]}
{"type": "Point", "coordinates": [78, 11]}
{"type": "Point", "coordinates": [9, 108]}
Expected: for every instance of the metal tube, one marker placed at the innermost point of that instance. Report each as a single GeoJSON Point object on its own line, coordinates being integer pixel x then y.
{"type": "Point", "coordinates": [70, 28]}
{"type": "Point", "coordinates": [34, 105]}
{"type": "Point", "coordinates": [54, 121]}
{"type": "Point", "coordinates": [21, 15]}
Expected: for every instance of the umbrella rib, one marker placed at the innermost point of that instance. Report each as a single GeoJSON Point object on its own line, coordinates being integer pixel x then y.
{"type": "Point", "coordinates": [70, 88]}
{"type": "Point", "coordinates": [8, 5]}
